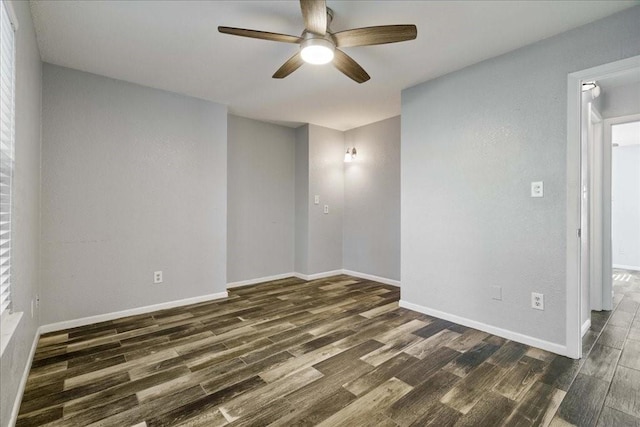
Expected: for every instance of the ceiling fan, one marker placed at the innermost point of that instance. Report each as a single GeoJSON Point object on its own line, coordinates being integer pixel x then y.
{"type": "Point", "coordinates": [319, 45]}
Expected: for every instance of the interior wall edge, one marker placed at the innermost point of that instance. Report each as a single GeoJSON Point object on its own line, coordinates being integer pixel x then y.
{"type": "Point", "coordinates": [260, 199]}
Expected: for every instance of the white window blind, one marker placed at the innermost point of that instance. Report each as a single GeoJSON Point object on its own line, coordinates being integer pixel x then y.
{"type": "Point", "coordinates": [7, 139]}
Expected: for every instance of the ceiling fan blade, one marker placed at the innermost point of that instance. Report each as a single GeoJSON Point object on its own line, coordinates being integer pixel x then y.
{"type": "Point", "coordinates": [349, 67]}
{"type": "Point", "coordinates": [314, 13]}
{"type": "Point", "coordinates": [289, 67]}
{"type": "Point", "coordinates": [375, 35]}
{"type": "Point", "coordinates": [264, 35]}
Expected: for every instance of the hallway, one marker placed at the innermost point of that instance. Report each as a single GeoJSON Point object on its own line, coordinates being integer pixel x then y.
{"type": "Point", "coordinates": [606, 391]}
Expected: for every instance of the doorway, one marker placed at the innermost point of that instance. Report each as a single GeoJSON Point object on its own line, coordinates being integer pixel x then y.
{"type": "Point", "coordinates": [623, 135]}
{"type": "Point", "coordinates": [589, 264]}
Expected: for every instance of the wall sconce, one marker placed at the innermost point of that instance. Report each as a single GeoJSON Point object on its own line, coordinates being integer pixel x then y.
{"type": "Point", "coordinates": [350, 155]}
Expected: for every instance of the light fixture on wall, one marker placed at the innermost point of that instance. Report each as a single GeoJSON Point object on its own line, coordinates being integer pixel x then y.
{"type": "Point", "coordinates": [350, 155]}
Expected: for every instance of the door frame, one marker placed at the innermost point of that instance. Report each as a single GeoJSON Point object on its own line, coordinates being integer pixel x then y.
{"type": "Point", "coordinates": [574, 193]}
{"type": "Point", "coordinates": [596, 204]}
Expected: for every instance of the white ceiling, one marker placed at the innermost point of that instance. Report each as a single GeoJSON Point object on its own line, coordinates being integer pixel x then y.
{"type": "Point", "coordinates": [626, 134]}
{"type": "Point", "coordinates": [175, 45]}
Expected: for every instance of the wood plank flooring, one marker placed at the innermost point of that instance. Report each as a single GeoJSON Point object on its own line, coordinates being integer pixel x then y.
{"type": "Point", "coordinates": [335, 351]}
{"type": "Point", "coordinates": [606, 391]}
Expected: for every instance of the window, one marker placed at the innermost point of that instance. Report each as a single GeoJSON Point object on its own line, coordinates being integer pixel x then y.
{"type": "Point", "coordinates": [7, 139]}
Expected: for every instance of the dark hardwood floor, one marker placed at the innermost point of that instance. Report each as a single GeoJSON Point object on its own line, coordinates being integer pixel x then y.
{"type": "Point", "coordinates": [606, 391]}
{"type": "Point", "coordinates": [336, 351]}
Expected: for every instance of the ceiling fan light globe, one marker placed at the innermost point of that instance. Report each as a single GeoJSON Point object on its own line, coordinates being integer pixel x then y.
{"type": "Point", "coordinates": [317, 51]}
{"type": "Point", "coordinates": [317, 55]}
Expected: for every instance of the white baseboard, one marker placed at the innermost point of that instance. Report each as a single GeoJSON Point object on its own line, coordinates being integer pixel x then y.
{"type": "Point", "coordinates": [318, 275]}
{"type": "Point", "coordinates": [131, 312]}
{"type": "Point", "coordinates": [585, 327]}
{"type": "Point", "coordinates": [23, 381]}
{"type": "Point", "coordinates": [372, 277]}
{"type": "Point", "coordinates": [313, 277]}
{"type": "Point", "coordinates": [349, 273]}
{"type": "Point", "coordinates": [141, 310]}
{"type": "Point", "coordinates": [260, 280]}
{"type": "Point", "coordinates": [627, 267]}
{"type": "Point", "coordinates": [505, 333]}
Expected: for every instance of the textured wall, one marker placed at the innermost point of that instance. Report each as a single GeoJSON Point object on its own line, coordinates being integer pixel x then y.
{"type": "Point", "coordinates": [302, 200]}
{"type": "Point", "coordinates": [134, 180]}
{"type": "Point", "coordinates": [371, 236]}
{"type": "Point", "coordinates": [326, 179]}
{"type": "Point", "coordinates": [625, 206]}
{"type": "Point", "coordinates": [26, 205]}
{"type": "Point", "coordinates": [260, 209]}
{"type": "Point", "coordinates": [472, 141]}
{"type": "Point", "coordinates": [620, 100]}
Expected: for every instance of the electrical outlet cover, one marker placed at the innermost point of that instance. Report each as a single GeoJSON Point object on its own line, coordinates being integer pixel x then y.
{"type": "Point", "coordinates": [157, 277]}
{"type": "Point", "coordinates": [537, 189]}
{"type": "Point", "coordinates": [537, 301]}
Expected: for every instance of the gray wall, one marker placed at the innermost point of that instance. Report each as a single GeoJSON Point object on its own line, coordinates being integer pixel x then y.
{"type": "Point", "coordinates": [620, 100]}
{"type": "Point", "coordinates": [26, 214]}
{"type": "Point", "coordinates": [261, 196]}
{"type": "Point", "coordinates": [472, 141]}
{"type": "Point", "coordinates": [625, 206]}
{"type": "Point", "coordinates": [326, 179]}
{"type": "Point", "coordinates": [371, 230]}
{"type": "Point", "coordinates": [134, 180]}
{"type": "Point", "coordinates": [302, 200]}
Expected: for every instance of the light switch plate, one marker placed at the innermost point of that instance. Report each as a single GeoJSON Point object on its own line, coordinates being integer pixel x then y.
{"type": "Point", "coordinates": [326, 209]}
{"type": "Point", "coordinates": [316, 200]}
{"type": "Point", "coordinates": [537, 189]}
{"type": "Point", "coordinates": [496, 293]}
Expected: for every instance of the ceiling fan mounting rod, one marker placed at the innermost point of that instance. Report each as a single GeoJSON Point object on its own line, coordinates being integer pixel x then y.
{"type": "Point", "coordinates": [308, 35]}
{"type": "Point", "coordinates": [329, 17]}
